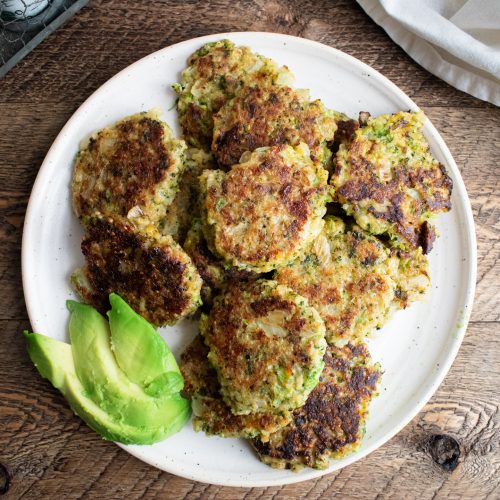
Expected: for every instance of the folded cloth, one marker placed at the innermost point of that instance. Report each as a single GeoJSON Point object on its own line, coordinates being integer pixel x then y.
{"type": "Point", "coordinates": [456, 40]}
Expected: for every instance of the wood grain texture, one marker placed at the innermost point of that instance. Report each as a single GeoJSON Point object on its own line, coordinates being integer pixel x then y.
{"type": "Point", "coordinates": [48, 452]}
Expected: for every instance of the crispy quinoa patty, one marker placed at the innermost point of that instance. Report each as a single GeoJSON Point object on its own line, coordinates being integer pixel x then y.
{"type": "Point", "coordinates": [266, 116]}
{"type": "Point", "coordinates": [388, 180]}
{"type": "Point", "coordinates": [267, 346]}
{"type": "Point", "coordinates": [331, 423]}
{"type": "Point", "coordinates": [210, 414]}
{"type": "Point", "coordinates": [215, 74]}
{"type": "Point", "coordinates": [345, 275]}
{"type": "Point", "coordinates": [131, 167]}
{"type": "Point", "coordinates": [151, 272]}
{"type": "Point", "coordinates": [354, 281]}
{"type": "Point", "coordinates": [265, 210]}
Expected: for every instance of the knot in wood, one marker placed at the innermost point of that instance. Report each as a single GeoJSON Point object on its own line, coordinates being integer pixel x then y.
{"type": "Point", "coordinates": [4, 479]}
{"type": "Point", "coordinates": [445, 451]}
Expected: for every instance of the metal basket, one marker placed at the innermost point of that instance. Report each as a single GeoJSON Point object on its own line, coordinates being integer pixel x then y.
{"type": "Point", "coordinates": [26, 23]}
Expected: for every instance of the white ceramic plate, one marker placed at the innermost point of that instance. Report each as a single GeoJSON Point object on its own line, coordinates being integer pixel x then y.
{"type": "Point", "coordinates": [416, 348]}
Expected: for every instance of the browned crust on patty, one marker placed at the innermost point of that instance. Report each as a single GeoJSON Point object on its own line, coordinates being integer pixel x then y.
{"type": "Point", "coordinates": [266, 345]}
{"type": "Point", "coordinates": [346, 274]}
{"type": "Point", "coordinates": [121, 167]}
{"type": "Point", "coordinates": [330, 424]}
{"type": "Point", "coordinates": [416, 232]}
{"type": "Point", "coordinates": [218, 71]}
{"type": "Point", "coordinates": [155, 277]}
{"type": "Point", "coordinates": [388, 180]}
{"type": "Point", "coordinates": [261, 210]}
{"type": "Point", "coordinates": [262, 116]}
{"type": "Point", "coordinates": [228, 318]}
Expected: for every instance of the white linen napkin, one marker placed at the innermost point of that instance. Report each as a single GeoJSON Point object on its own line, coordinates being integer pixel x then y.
{"type": "Point", "coordinates": [456, 40]}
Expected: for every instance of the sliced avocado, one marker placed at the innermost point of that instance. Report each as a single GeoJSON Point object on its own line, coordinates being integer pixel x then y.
{"type": "Point", "coordinates": [141, 352]}
{"type": "Point", "coordinates": [107, 385]}
{"type": "Point", "coordinates": [165, 384]}
{"type": "Point", "coordinates": [54, 361]}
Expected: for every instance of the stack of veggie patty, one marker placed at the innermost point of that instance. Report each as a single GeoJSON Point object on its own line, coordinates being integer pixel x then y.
{"type": "Point", "coordinates": [298, 231]}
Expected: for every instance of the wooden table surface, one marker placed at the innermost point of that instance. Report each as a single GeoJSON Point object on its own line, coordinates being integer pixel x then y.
{"type": "Point", "coordinates": [46, 452]}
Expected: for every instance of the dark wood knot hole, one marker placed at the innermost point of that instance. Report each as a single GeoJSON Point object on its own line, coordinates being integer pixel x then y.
{"type": "Point", "coordinates": [445, 451]}
{"type": "Point", "coordinates": [4, 480]}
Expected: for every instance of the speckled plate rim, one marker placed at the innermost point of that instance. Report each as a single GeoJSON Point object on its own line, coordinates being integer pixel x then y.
{"type": "Point", "coordinates": [459, 187]}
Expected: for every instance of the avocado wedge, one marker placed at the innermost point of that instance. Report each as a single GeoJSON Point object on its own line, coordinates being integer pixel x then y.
{"type": "Point", "coordinates": [141, 405]}
{"type": "Point", "coordinates": [141, 352]}
{"type": "Point", "coordinates": [104, 381]}
{"type": "Point", "coordinates": [54, 361]}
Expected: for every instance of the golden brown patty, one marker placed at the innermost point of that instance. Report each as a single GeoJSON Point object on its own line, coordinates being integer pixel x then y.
{"type": "Point", "coordinates": [216, 275]}
{"type": "Point", "coordinates": [267, 346]}
{"type": "Point", "coordinates": [389, 181]}
{"type": "Point", "coordinates": [151, 272]}
{"type": "Point", "coordinates": [346, 274]}
{"type": "Point", "coordinates": [266, 116]}
{"type": "Point", "coordinates": [210, 414]}
{"type": "Point", "coordinates": [179, 213]}
{"type": "Point", "coordinates": [354, 281]}
{"type": "Point", "coordinates": [131, 167]}
{"type": "Point", "coordinates": [331, 423]}
{"type": "Point", "coordinates": [215, 74]}
{"type": "Point", "coordinates": [262, 212]}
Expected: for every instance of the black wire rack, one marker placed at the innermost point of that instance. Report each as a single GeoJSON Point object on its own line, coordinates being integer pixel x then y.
{"type": "Point", "coordinates": [26, 23]}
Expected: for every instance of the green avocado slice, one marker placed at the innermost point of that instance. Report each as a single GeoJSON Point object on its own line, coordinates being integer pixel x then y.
{"type": "Point", "coordinates": [54, 361]}
{"type": "Point", "coordinates": [141, 352]}
{"type": "Point", "coordinates": [107, 385]}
